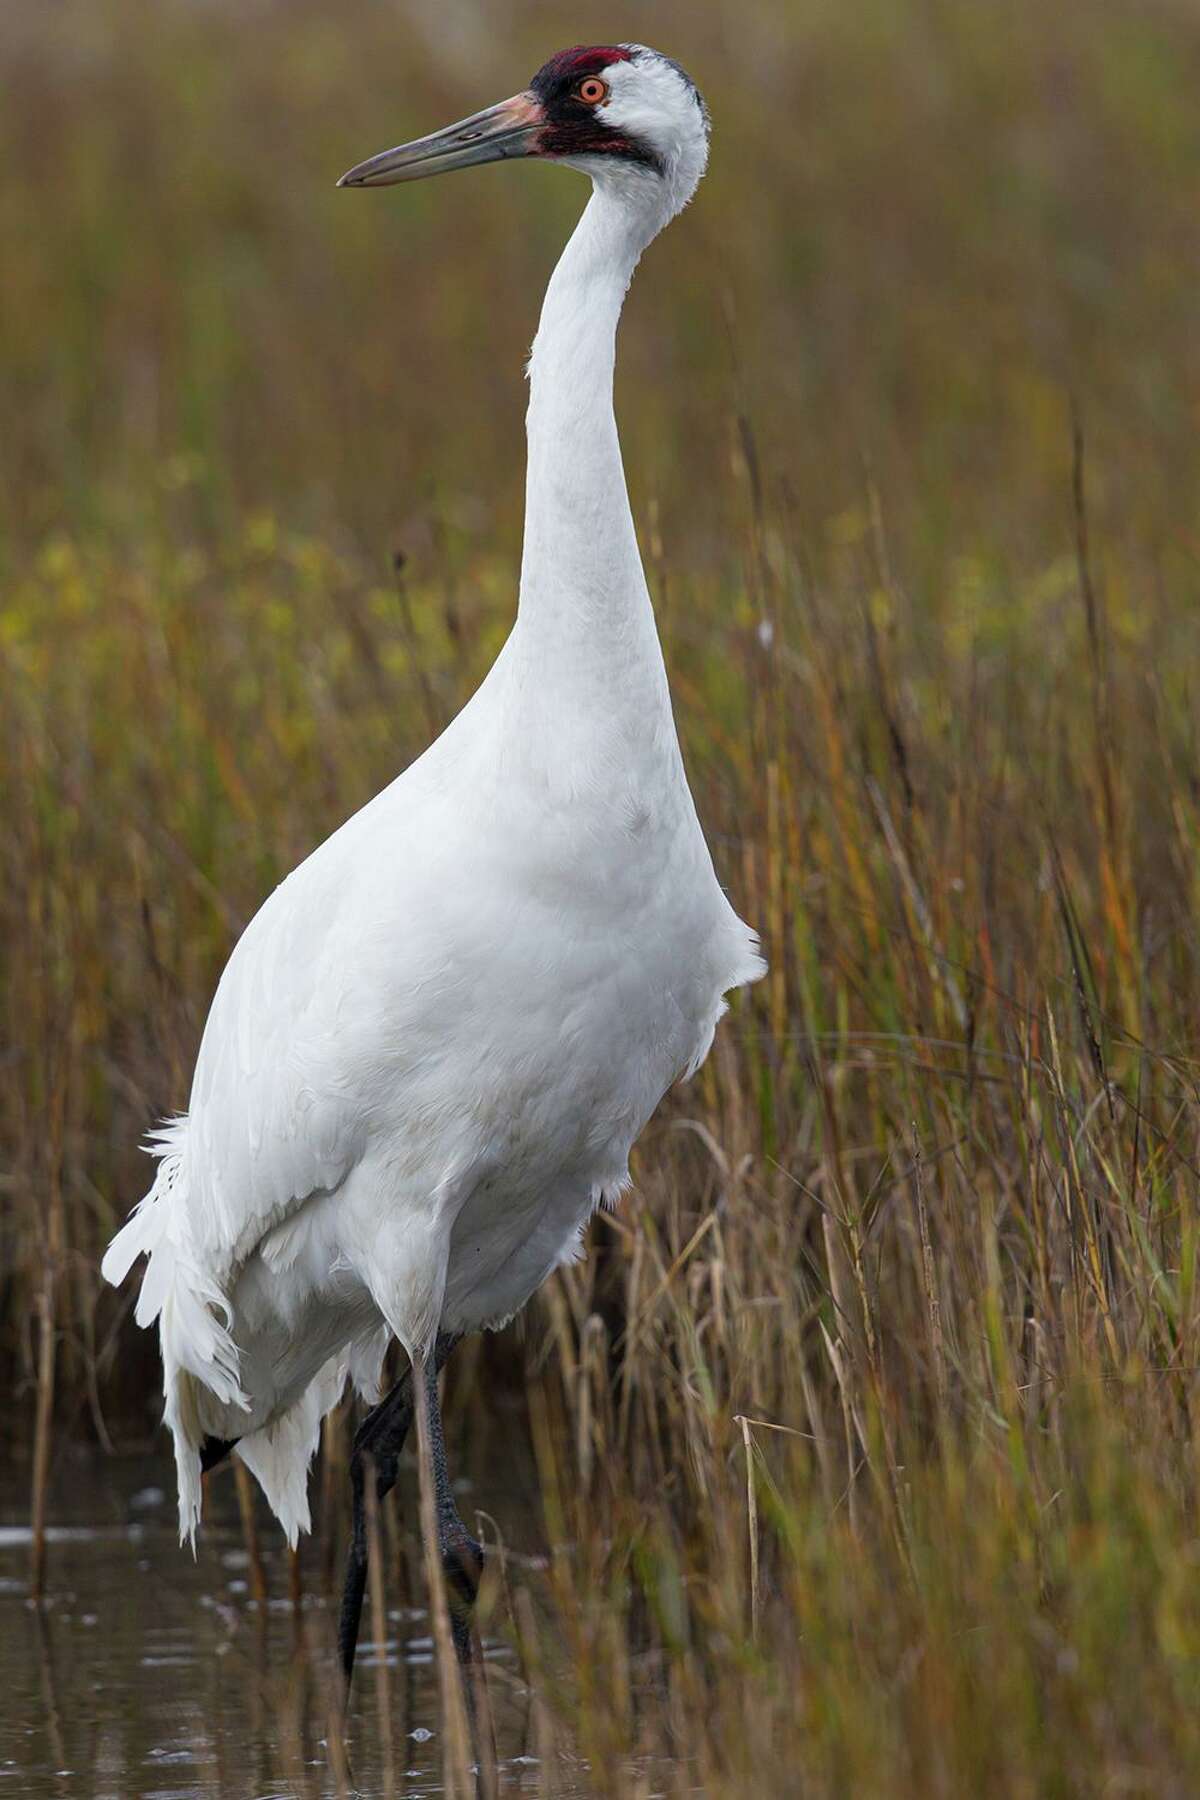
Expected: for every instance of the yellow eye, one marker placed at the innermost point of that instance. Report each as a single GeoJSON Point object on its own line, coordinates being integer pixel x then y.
{"type": "Point", "coordinates": [592, 91]}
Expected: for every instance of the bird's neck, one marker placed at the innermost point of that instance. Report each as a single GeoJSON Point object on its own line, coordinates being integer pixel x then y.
{"type": "Point", "coordinates": [585, 628]}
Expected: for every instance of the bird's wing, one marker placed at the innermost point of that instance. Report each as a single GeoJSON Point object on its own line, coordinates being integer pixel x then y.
{"type": "Point", "coordinates": [262, 1134]}
{"type": "Point", "coordinates": [278, 1107]}
{"type": "Point", "coordinates": [271, 1122]}
{"type": "Point", "coordinates": [326, 1006]}
{"type": "Point", "coordinates": [280, 1098]}
{"type": "Point", "coordinates": [307, 1031]}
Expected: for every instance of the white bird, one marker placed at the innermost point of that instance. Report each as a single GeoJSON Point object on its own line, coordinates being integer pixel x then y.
{"type": "Point", "coordinates": [433, 1048]}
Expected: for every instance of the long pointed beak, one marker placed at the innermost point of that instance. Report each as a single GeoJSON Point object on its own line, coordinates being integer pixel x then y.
{"type": "Point", "coordinates": [500, 131]}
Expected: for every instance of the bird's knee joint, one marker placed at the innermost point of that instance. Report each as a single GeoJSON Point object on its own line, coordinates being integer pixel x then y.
{"type": "Point", "coordinates": [383, 1464]}
{"type": "Point", "coordinates": [462, 1562]}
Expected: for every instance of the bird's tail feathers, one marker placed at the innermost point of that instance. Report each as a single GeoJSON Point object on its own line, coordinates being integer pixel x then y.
{"type": "Point", "coordinates": [278, 1456]}
{"type": "Point", "coordinates": [198, 1350]}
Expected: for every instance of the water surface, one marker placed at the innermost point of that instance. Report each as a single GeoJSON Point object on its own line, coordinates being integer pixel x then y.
{"type": "Point", "coordinates": [149, 1674]}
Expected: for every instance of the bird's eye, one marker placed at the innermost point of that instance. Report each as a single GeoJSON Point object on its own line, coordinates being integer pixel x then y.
{"type": "Point", "coordinates": [592, 91]}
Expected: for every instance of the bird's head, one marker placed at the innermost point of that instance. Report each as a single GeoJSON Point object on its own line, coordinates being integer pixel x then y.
{"type": "Point", "coordinates": [620, 112]}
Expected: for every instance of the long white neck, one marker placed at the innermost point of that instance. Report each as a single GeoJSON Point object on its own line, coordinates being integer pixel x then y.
{"type": "Point", "coordinates": [585, 628]}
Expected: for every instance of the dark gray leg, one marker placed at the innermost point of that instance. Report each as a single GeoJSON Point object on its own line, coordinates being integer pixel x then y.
{"type": "Point", "coordinates": [462, 1556]}
{"type": "Point", "coordinates": [377, 1443]}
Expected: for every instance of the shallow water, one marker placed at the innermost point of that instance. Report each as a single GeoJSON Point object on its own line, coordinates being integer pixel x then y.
{"type": "Point", "coordinates": [147, 1674]}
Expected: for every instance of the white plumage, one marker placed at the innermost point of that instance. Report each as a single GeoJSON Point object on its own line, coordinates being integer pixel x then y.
{"type": "Point", "coordinates": [434, 1046]}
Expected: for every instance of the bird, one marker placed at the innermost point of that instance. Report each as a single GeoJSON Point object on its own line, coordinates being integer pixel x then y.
{"type": "Point", "coordinates": [434, 1046]}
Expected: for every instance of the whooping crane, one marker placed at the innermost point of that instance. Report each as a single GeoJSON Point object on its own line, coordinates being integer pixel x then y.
{"type": "Point", "coordinates": [433, 1048]}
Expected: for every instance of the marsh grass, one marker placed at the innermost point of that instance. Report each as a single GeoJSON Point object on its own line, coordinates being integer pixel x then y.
{"type": "Point", "coordinates": [866, 1432]}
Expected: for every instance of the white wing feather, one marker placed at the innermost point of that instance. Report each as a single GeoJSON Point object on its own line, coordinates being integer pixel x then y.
{"type": "Point", "coordinates": [279, 1113]}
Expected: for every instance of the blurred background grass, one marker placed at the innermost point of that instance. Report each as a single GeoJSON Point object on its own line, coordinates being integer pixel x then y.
{"type": "Point", "coordinates": [909, 405]}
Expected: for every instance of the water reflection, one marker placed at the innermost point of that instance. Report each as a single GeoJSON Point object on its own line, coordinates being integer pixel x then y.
{"type": "Point", "coordinates": [154, 1676]}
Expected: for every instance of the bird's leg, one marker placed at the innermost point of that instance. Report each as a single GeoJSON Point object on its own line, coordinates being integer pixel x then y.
{"type": "Point", "coordinates": [461, 1559]}
{"type": "Point", "coordinates": [377, 1444]}
{"type": "Point", "coordinates": [461, 1556]}
{"type": "Point", "coordinates": [439, 1518]}
{"type": "Point", "coordinates": [389, 1421]}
